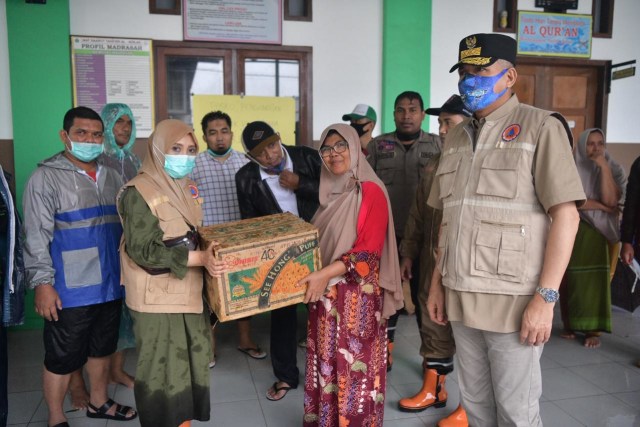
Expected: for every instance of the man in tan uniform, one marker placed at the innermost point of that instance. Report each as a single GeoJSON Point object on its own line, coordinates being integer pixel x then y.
{"type": "Point", "coordinates": [508, 188]}
{"type": "Point", "coordinates": [421, 240]}
{"type": "Point", "coordinates": [399, 158]}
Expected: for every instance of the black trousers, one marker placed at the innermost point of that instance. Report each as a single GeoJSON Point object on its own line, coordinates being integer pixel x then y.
{"type": "Point", "coordinates": [284, 344]}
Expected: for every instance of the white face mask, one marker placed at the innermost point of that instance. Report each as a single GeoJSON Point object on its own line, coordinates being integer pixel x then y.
{"type": "Point", "coordinates": [85, 151]}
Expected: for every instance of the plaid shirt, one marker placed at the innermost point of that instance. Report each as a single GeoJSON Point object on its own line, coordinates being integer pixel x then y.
{"type": "Point", "coordinates": [217, 185]}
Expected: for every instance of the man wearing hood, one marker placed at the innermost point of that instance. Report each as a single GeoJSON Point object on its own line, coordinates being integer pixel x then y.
{"type": "Point", "coordinates": [119, 137]}
{"type": "Point", "coordinates": [278, 179]}
{"type": "Point", "coordinates": [71, 234]}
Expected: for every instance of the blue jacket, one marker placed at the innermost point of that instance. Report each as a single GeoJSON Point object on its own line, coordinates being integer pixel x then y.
{"type": "Point", "coordinates": [72, 232]}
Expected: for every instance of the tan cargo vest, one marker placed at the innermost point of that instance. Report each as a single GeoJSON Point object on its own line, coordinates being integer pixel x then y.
{"type": "Point", "coordinates": [162, 293]}
{"type": "Point", "coordinates": [494, 229]}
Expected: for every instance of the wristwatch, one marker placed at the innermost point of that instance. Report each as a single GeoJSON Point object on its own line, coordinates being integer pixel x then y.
{"type": "Point", "coordinates": [548, 294]}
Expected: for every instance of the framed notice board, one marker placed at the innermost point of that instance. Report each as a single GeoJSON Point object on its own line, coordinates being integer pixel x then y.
{"type": "Point", "coordinates": [107, 70]}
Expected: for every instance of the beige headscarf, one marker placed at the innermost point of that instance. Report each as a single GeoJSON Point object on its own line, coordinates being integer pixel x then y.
{"type": "Point", "coordinates": [608, 224]}
{"type": "Point", "coordinates": [152, 172]}
{"type": "Point", "coordinates": [337, 217]}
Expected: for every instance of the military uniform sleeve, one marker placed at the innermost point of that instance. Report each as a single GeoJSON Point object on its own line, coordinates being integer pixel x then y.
{"type": "Point", "coordinates": [143, 237]}
{"type": "Point", "coordinates": [39, 207]}
{"type": "Point", "coordinates": [372, 156]}
{"type": "Point", "coordinates": [414, 227]}
{"type": "Point", "coordinates": [554, 170]}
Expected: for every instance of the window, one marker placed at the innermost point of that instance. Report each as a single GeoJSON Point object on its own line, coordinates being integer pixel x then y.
{"type": "Point", "coordinates": [297, 10]}
{"type": "Point", "coordinates": [505, 16]}
{"type": "Point", "coordinates": [186, 68]}
{"type": "Point", "coordinates": [165, 7]}
{"type": "Point", "coordinates": [602, 13]}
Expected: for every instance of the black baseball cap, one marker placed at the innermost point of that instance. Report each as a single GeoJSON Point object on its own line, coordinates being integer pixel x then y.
{"type": "Point", "coordinates": [485, 49]}
{"type": "Point", "coordinates": [256, 136]}
{"type": "Point", "coordinates": [453, 105]}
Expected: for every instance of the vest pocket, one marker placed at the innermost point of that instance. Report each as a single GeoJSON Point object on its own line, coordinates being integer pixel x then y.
{"type": "Point", "coordinates": [446, 174]}
{"type": "Point", "coordinates": [499, 251]}
{"type": "Point", "coordinates": [499, 174]}
{"type": "Point", "coordinates": [386, 171]}
{"type": "Point", "coordinates": [166, 289]}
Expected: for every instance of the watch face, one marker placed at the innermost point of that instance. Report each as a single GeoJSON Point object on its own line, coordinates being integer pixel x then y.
{"type": "Point", "coordinates": [549, 295]}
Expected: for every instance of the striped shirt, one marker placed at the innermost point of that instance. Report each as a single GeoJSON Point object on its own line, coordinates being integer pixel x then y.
{"type": "Point", "coordinates": [217, 185]}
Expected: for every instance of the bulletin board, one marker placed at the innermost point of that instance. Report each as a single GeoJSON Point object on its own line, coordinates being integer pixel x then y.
{"type": "Point", "coordinates": [278, 112]}
{"type": "Point", "coordinates": [107, 70]}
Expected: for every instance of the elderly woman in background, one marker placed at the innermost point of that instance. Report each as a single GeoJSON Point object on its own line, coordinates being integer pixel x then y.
{"type": "Point", "coordinates": [162, 273]}
{"type": "Point", "coordinates": [585, 297]}
{"type": "Point", "coordinates": [355, 292]}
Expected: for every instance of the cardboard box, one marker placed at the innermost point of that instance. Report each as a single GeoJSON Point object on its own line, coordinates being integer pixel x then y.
{"type": "Point", "coordinates": [266, 257]}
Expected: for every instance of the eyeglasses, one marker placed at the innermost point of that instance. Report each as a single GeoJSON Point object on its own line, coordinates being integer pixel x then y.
{"type": "Point", "coordinates": [339, 147]}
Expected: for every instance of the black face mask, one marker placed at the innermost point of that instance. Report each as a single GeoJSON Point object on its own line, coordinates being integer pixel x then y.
{"type": "Point", "coordinates": [360, 128]}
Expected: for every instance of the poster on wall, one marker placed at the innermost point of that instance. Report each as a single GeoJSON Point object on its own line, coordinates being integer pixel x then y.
{"type": "Point", "coordinates": [279, 112]}
{"type": "Point", "coordinates": [554, 34]}
{"type": "Point", "coordinates": [107, 70]}
{"type": "Point", "coordinates": [241, 21]}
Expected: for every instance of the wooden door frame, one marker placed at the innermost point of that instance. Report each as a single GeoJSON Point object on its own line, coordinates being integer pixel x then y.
{"type": "Point", "coordinates": [234, 79]}
{"type": "Point", "coordinates": [603, 68]}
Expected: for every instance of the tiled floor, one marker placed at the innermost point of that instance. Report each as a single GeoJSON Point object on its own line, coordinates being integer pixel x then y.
{"type": "Point", "coordinates": [581, 387]}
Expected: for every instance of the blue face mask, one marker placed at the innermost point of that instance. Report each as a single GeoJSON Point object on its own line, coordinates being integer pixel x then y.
{"type": "Point", "coordinates": [477, 91]}
{"type": "Point", "coordinates": [179, 165]}
{"type": "Point", "coordinates": [85, 151]}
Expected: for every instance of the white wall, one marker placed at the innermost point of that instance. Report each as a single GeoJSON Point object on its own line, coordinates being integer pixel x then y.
{"type": "Point", "coordinates": [347, 51]}
{"type": "Point", "coordinates": [450, 26]}
{"type": "Point", "coordinates": [6, 126]}
{"type": "Point", "coordinates": [345, 37]}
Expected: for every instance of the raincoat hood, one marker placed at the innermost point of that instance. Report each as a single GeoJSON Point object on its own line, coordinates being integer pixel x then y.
{"type": "Point", "coordinates": [110, 115]}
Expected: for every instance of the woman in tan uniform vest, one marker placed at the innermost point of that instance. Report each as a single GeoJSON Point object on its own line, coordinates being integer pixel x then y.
{"type": "Point", "coordinates": [162, 274]}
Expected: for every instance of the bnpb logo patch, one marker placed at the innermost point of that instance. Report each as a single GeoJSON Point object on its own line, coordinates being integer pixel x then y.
{"type": "Point", "coordinates": [194, 191]}
{"type": "Point", "coordinates": [511, 132]}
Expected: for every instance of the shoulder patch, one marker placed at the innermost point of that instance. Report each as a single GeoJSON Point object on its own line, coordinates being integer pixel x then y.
{"type": "Point", "coordinates": [511, 132]}
{"type": "Point", "coordinates": [386, 145]}
{"type": "Point", "coordinates": [194, 191]}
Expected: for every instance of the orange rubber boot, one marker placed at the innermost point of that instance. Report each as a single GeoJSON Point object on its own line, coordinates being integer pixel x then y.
{"type": "Point", "coordinates": [457, 418]}
{"type": "Point", "coordinates": [389, 356]}
{"type": "Point", "coordinates": [185, 424]}
{"type": "Point", "coordinates": [431, 394]}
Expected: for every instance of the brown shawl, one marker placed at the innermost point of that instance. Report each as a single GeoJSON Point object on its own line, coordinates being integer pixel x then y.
{"type": "Point", "coordinates": [337, 217]}
{"type": "Point", "coordinates": [152, 172]}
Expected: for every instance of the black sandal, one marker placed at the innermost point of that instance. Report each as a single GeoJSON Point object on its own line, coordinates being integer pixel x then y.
{"type": "Point", "coordinates": [277, 389]}
{"type": "Point", "coordinates": [120, 414]}
{"type": "Point", "coordinates": [62, 424]}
